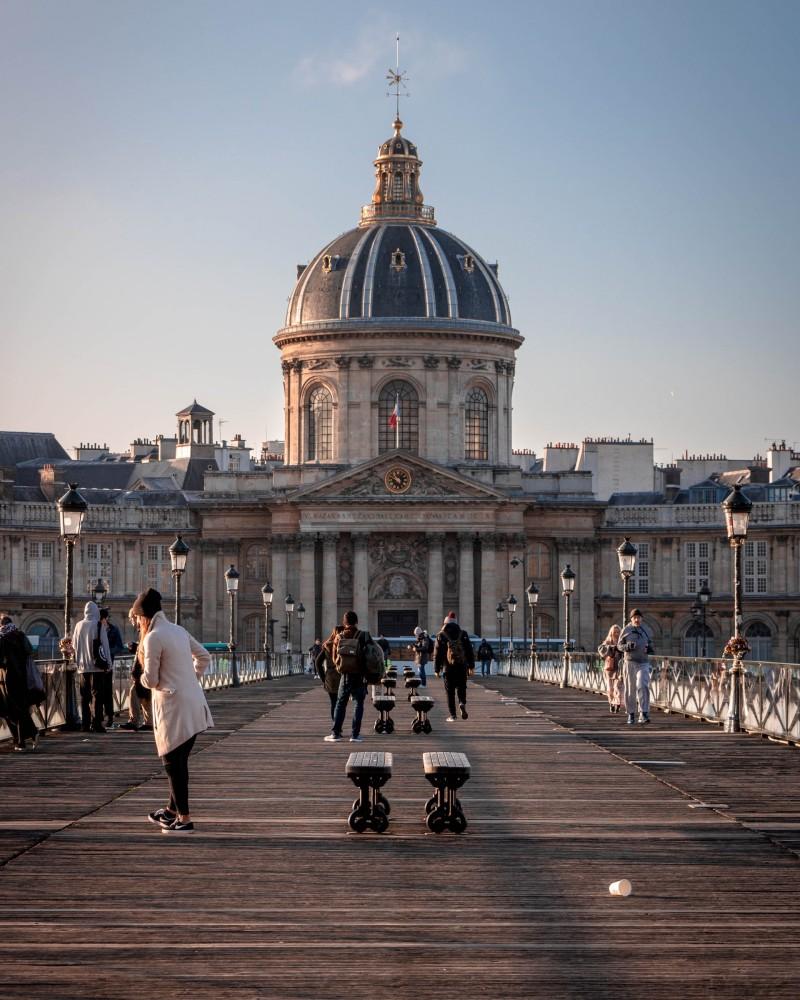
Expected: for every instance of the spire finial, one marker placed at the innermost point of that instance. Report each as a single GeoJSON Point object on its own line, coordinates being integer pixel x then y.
{"type": "Point", "coordinates": [397, 79]}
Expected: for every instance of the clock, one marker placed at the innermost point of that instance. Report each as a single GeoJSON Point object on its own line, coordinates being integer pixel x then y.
{"type": "Point", "coordinates": [397, 479]}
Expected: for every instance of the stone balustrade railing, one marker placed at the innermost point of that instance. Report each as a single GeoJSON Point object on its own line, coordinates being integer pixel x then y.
{"type": "Point", "coordinates": [680, 515]}
{"type": "Point", "coordinates": [112, 517]}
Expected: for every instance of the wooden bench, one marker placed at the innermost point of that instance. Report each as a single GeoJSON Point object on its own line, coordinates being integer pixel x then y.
{"type": "Point", "coordinates": [447, 772]}
{"type": "Point", "coordinates": [412, 683]}
{"type": "Point", "coordinates": [389, 682]}
{"type": "Point", "coordinates": [369, 771]}
{"type": "Point", "coordinates": [384, 703]}
{"type": "Point", "coordinates": [422, 704]}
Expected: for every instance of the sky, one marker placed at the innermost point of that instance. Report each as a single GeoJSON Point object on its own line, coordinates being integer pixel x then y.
{"type": "Point", "coordinates": [632, 165]}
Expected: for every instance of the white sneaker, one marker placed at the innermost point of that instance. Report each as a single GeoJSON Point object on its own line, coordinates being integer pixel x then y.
{"type": "Point", "coordinates": [356, 739]}
{"type": "Point", "coordinates": [333, 738]}
{"type": "Point", "coordinates": [450, 718]}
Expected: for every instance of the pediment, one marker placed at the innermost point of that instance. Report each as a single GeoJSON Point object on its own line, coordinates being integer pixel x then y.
{"type": "Point", "coordinates": [428, 482]}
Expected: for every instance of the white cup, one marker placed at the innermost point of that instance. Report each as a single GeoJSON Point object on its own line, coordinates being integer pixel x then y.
{"type": "Point", "coordinates": [620, 888]}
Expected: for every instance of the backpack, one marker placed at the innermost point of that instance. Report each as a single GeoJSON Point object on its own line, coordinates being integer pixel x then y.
{"type": "Point", "coordinates": [455, 654]}
{"type": "Point", "coordinates": [347, 654]}
{"type": "Point", "coordinates": [373, 662]}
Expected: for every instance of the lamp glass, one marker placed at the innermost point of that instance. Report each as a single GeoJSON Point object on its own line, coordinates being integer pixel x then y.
{"type": "Point", "coordinates": [568, 580]}
{"type": "Point", "coordinates": [301, 612]}
{"type": "Point", "coordinates": [71, 522]}
{"type": "Point", "coordinates": [533, 595]}
{"type": "Point", "coordinates": [704, 594]}
{"type": "Point", "coordinates": [288, 604]}
{"type": "Point", "coordinates": [500, 611]}
{"type": "Point", "coordinates": [232, 580]}
{"type": "Point", "coordinates": [626, 554]}
{"type": "Point", "coordinates": [267, 594]}
{"type": "Point", "coordinates": [512, 603]}
{"type": "Point", "coordinates": [178, 552]}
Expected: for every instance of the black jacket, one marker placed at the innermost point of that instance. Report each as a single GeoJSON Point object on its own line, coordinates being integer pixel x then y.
{"type": "Point", "coordinates": [485, 651]}
{"type": "Point", "coordinates": [452, 631]}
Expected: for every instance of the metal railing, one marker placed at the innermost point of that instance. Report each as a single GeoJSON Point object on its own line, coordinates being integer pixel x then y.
{"type": "Point", "coordinates": [692, 686]}
{"type": "Point", "coordinates": [250, 667]}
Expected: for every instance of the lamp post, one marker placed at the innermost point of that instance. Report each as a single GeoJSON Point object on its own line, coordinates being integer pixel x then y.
{"type": "Point", "coordinates": [288, 607]}
{"type": "Point", "coordinates": [71, 510]}
{"type": "Point", "coordinates": [178, 552]}
{"type": "Point", "coordinates": [500, 612]}
{"type": "Point", "coordinates": [511, 604]}
{"type": "Point", "coordinates": [626, 554]}
{"type": "Point", "coordinates": [301, 613]}
{"type": "Point", "coordinates": [704, 596]}
{"type": "Point", "coordinates": [98, 591]}
{"type": "Point", "coordinates": [567, 586]}
{"type": "Point", "coordinates": [736, 508]}
{"type": "Point", "coordinates": [232, 584]}
{"type": "Point", "coordinates": [532, 593]}
{"type": "Point", "coordinates": [267, 594]}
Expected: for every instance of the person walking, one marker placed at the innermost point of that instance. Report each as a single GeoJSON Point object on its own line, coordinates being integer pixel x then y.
{"type": "Point", "coordinates": [453, 654]}
{"type": "Point", "coordinates": [93, 660]}
{"type": "Point", "coordinates": [612, 658]}
{"type": "Point", "coordinates": [349, 658]}
{"type": "Point", "coordinates": [15, 705]}
{"type": "Point", "coordinates": [173, 661]}
{"type": "Point", "coordinates": [634, 643]}
{"type": "Point", "coordinates": [115, 648]}
{"type": "Point", "coordinates": [140, 702]}
{"type": "Point", "coordinates": [326, 669]}
{"type": "Point", "coordinates": [383, 642]}
{"type": "Point", "coordinates": [422, 652]}
{"type": "Point", "coordinates": [485, 655]}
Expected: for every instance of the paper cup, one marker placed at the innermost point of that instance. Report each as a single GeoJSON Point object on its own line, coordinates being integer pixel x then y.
{"type": "Point", "coordinates": [620, 888]}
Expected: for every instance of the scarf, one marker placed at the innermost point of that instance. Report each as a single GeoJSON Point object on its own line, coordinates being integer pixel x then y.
{"type": "Point", "coordinates": [7, 629]}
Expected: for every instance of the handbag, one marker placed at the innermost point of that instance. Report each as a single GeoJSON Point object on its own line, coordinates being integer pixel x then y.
{"type": "Point", "coordinates": [36, 692]}
{"type": "Point", "coordinates": [98, 653]}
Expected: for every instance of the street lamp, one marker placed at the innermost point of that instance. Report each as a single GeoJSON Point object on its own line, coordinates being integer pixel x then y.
{"type": "Point", "coordinates": [500, 611]}
{"type": "Point", "coordinates": [511, 604]}
{"type": "Point", "coordinates": [736, 508]}
{"type": "Point", "coordinates": [288, 607]}
{"type": "Point", "coordinates": [71, 511]}
{"type": "Point", "coordinates": [626, 554]}
{"type": "Point", "coordinates": [232, 584]}
{"type": "Point", "coordinates": [98, 591]}
{"type": "Point", "coordinates": [567, 586]}
{"type": "Point", "coordinates": [267, 594]}
{"type": "Point", "coordinates": [699, 609]}
{"type": "Point", "coordinates": [178, 552]}
{"type": "Point", "coordinates": [301, 613]}
{"type": "Point", "coordinates": [532, 593]}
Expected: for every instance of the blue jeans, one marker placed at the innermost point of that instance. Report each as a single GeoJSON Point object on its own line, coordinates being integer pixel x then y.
{"type": "Point", "coordinates": [486, 668]}
{"type": "Point", "coordinates": [350, 686]}
{"type": "Point", "coordinates": [422, 682]}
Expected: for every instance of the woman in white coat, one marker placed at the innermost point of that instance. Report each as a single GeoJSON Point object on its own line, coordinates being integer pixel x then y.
{"type": "Point", "coordinates": [172, 663]}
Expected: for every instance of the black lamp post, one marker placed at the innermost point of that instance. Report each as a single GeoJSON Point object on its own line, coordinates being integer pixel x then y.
{"type": "Point", "coordinates": [232, 584]}
{"type": "Point", "coordinates": [704, 596]}
{"type": "Point", "coordinates": [626, 554]}
{"type": "Point", "coordinates": [301, 613]}
{"type": "Point", "coordinates": [737, 510]}
{"type": "Point", "coordinates": [98, 591]}
{"type": "Point", "coordinates": [267, 594]}
{"type": "Point", "coordinates": [567, 586]}
{"type": "Point", "coordinates": [532, 593]}
{"type": "Point", "coordinates": [178, 552]}
{"type": "Point", "coordinates": [511, 604]}
{"type": "Point", "coordinates": [71, 511]}
{"type": "Point", "coordinates": [288, 607]}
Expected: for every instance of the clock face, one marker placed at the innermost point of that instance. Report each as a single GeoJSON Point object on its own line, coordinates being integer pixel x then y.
{"type": "Point", "coordinates": [397, 479]}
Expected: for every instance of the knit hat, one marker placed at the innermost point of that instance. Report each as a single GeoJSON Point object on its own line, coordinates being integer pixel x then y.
{"type": "Point", "coordinates": [450, 617]}
{"type": "Point", "coordinates": [636, 613]}
{"type": "Point", "coordinates": [417, 630]}
{"type": "Point", "coordinates": [147, 604]}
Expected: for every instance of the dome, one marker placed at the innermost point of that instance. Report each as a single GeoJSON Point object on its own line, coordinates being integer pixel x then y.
{"type": "Point", "coordinates": [398, 271]}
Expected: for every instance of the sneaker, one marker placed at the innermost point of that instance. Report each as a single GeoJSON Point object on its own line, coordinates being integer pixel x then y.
{"type": "Point", "coordinates": [356, 739]}
{"type": "Point", "coordinates": [450, 718]}
{"type": "Point", "coordinates": [99, 729]}
{"type": "Point", "coordinates": [463, 709]}
{"type": "Point", "coordinates": [644, 719]}
{"type": "Point", "coordinates": [332, 738]}
{"type": "Point", "coordinates": [162, 817]}
{"type": "Point", "coordinates": [178, 827]}
{"type": "Point", "coordinates": [113, 725]}
{"type": "Point", "coordinates": [631, 719]}
{"type": "Point", "coordinates": [19, 747]}
{"type": "Point", "coordinates": [130, 727]}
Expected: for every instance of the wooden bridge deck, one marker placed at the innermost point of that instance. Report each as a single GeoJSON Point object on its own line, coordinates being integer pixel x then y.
{"type": "Point", "coordinates": [273, 897]}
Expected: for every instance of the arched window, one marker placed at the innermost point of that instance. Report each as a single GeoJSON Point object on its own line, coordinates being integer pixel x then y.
{"type": "Point", "coordinates": [698, 641]}
{"type": "Point", "coordinates": [397, 191]}
{"type": "Point", "coordinates": [253, 633]}
{"type": "Point", "coordinates": [256, 565]}
{"type": "Point", "coordinates": [319, 418]}
{"type": "Point", "coordinates": [760, 639]}
{"type": "Point", "coordinates": [47, 635]}
{"type": "Point", "coordinates": [476, 426]}
{"type": "Point", "coordinates": [539, 562]}
{"type": "Point", "coordinates": [398, 417]}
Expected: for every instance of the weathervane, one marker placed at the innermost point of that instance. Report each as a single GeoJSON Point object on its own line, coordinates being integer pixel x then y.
{"type": "Point", "coordinates": [397, 79]}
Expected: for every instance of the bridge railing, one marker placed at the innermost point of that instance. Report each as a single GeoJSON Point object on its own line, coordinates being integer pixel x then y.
{"type": "Point", "coordinates": [692, 686]}
{"type": "Point", "coordinates": [250, 667]}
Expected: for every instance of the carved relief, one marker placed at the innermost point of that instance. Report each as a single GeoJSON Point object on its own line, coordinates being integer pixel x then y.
{"type": "Point", "coordinates": [397, 362]}
{"type": "Point", "coordinates": [423, 485]}
{"type": "Point", "coordinates": [454, 363]}
{"type": "Point", "coordinates": [297, 365]}
{"type": "Point", "coordinates": [393, 552]}
{"type": "Point", "coordinates": [342, 361]}
{"type": "Point", "coordinates": [366, 361]}
{"type": "Point", "coordinates": [397, 586]}
{"type": "Point", "coordinates": [430, 361]}
{"type": "Point", "coordinates": [317, 364]}
{"type": "Point", "coordinates": [477, 365]}
{"type": "Point", "coordinates": [286, 367]}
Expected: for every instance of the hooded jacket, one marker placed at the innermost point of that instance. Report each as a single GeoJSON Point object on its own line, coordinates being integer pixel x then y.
{"type": "Point", "coordinates": [637, 636]}
{"type": "Point", "coordinates": [452, 631]}
{"type": "Point", "coordinates": [83, 636]}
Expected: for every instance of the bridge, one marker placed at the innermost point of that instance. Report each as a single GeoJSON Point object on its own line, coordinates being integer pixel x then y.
{"type": "Point", "coordinates": [274, 897]}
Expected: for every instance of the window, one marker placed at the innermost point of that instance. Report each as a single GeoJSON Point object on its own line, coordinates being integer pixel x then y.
{"type": "Point", "coordinates": [46, 648]}
{"type": "Point", "coordinates": [754, 566]}
{"type": "Point", "coordinates": [397, 188]}
{"type": "Point", "coordinates": [98, 563]}
{"type": "Point", "coordinates": [158, 568]}
{"type": "Point", "coordinates": [253, 633]}
{"type": "Point", "coordinates": [257, 563]}
{"type": "Point", "coordinates": [760, 639]}
{"type": "Point", "coordinates": [476, 426]}
{"type": "Point", "coordinates": [697, 566]}
{"type": "Point", "coordinates": [468, 263]}
{"type": "Point", "coordinates": [406, 433]}
{"type": "Point", "coordinates": [698, 640]}
{"type": "Point", "coordinates": [319, 418]}
{"type": "Point", "coordinates": [233, 463]}
{"type": "Point", "coordinates": [544, 627]}
{"type": "Point", "coordinates": [639, 583]}
{"type": "Point", "coordinates": [398, 260]}
{"type": "Point", "coordinates": [538, 562]}
{"type": "Point", "coordinates": [40, 567]}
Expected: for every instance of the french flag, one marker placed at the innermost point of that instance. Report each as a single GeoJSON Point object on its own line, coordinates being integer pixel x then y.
{"type": "Point", "coordinates": [394, 416]}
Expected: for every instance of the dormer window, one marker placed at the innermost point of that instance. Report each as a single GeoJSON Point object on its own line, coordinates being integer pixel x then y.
{"type": "Point", "coordinates": [398, 260]}
{"type": "Point", "coordinates": [329, 262]}
{"type": "Point", "coordinates": [468, 263]}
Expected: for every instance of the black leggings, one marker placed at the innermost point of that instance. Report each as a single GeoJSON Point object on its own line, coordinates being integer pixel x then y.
{"type": "Point", "coordinates": [176, 764]}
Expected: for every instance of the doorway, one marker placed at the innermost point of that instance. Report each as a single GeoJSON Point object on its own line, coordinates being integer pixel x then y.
{"type": "Point", "coordinates": [392, 623]}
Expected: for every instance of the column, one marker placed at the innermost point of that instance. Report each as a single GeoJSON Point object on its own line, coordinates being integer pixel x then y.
{"type": "Point", "coordinates": [210, 594]}
{"type": "Point", "coordinates": [466, 581]}
{"type": "Point", "coordinates": [306, 590]}
{"type": "Point", "coordinates": [361, 577]}
{"type": "Point", "coordinates": [488, 622]}
{"type": "Point", "coordinates": [18, 581]}
{"type": "Point", "coordinates": [330, 601]}
{"type": "Point", "coordinates": [131, 566]}
{"type": "Point", "coordinates": [585, 627]}
{"type": "Point", "coordinates": [435, 583]}
{"type": "Point", "coordinates": [278, 578]}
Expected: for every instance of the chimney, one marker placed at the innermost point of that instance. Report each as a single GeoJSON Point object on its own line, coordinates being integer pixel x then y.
{"type": "Point", "coordinates": [47, 482]}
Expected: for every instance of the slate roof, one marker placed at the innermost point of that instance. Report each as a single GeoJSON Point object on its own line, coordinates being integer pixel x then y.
{"type": "Point", "coordinates": [24, 446]}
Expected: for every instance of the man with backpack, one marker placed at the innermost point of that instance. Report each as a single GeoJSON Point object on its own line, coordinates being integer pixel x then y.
{"type": "Point", "coordinates": [485, 655]}
{"type": "Point", "coordinates": [422, 650]}
{"type": "Point", "coordinates": [454, 654]}
{"type": "Point", "coordinates": [359, 661]}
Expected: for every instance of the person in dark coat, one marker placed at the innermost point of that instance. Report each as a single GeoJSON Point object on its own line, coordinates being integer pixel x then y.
{"type": "Point", "coordinates": [326, 670]}
{"type": "Point", "coordinates": [422, 651]}
{"type": "Point", "coordinates": [116, 648]}
{"type": "Point", "coordinates": [15, 705]}
{"type": "Point", "coordinates": [453, 654]}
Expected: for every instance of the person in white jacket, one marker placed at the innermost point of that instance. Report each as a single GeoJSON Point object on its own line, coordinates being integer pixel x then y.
{"type": "Point", "coordinates": [90, 642]}
{"type": "Point", "coordinates": [173, 661]}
